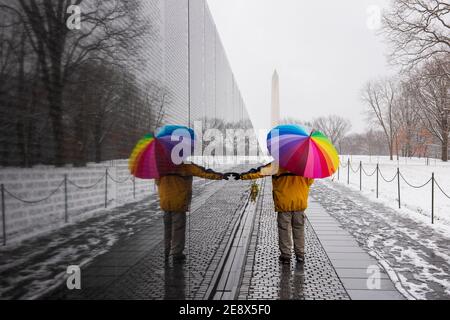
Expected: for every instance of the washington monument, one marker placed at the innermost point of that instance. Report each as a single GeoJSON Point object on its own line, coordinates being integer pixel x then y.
{"type": "Point", "coordinates": [275, 100]}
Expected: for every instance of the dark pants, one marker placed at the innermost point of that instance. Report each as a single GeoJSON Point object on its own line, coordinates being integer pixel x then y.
{"type": "Point", "coordinates": [174, 232]}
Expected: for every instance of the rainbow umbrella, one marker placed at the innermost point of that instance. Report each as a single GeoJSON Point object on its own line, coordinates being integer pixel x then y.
{"type": "Point", "coordinates": [303, 152]}
{"type": "Point", "coordinates": [152, 156]}
{"type": "Point", "coordinates": [180, 137]}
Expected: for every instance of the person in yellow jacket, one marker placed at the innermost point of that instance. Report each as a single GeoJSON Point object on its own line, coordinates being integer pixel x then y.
{"type": "Point", "coordinates": [175, 193]}
{"type": "Point", "coordinates": [290, 196]}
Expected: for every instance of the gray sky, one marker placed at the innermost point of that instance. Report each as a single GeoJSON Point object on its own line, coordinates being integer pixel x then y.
{"type": "Point", "coordinates": [324, 52]}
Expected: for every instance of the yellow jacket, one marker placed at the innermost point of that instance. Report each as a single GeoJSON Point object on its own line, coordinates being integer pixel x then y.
{"type": "Point", "coordinates": [175, 188]}
{"type": "Point", "coordinates": [290, 192]}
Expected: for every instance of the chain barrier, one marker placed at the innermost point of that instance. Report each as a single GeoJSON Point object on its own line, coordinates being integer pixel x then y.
{"type": "Point", "coordinates": [399, 176]}
{"type": "Point", "coordinates": [119, 181]}
{"type": "Point", "coordinates": [351, 168]}
{"type": "Point", "coordinates": [369, 175]}
{"type": "Point", "coordinates": [388, 181]}
{"type": "Point", "coordinates": [86, 187]}
{"type": "Point", "coordinates": [64, 183]}
{"type": "Point", "coordinates": [414, 186]}
{"type": "Point", "coordinates": [34, 201]}
{"type": "Point", "coordinates": [443, 192]}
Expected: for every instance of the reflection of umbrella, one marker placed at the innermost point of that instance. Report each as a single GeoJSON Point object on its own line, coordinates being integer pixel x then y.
{"type": "Point", "coordinates": [304, 152]}
{"type": "Point", "coordinates": [152, 156]}
{"type": "Point", "coordinates": [179, 137]}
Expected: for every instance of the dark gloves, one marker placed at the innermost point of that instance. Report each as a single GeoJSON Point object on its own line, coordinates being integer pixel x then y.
{"type": "Point", "coordinates": [235, 175]}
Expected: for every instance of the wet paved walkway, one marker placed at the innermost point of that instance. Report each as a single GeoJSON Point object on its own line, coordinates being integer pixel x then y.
{"type": "Point", "coordinates": [134, 268]}
{"type": "Point", "coordinates": [335, 266]}
{"type": "Point", "coordinates": [265, 278]}
{"type": "Point", "coordinates": [39, 264]}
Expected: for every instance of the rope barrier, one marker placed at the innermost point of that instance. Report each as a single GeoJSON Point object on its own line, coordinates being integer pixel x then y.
{"type": "Point", "coordinates": [354, 171]}
{"type": "Point", "coordinates": [86, 187]}
{"type": "Point", "coordinates": [119, 181]}
{"type": "Point", "coordinates": [34, 201]}
{"type": "Point", "coordinates": [445, 194]}
{"type": "Point", "coordinates": [369, 175]}
{"type": "Point", "coordinates": [414, 186]}
{"type": "Point", "coordinates": [388, 181]}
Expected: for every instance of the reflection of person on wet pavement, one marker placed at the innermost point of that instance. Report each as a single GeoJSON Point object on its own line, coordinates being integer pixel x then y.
{"type": "Point", "coordinates": [292, 285]}
{"type": "Point", "coordinates": [175, 193]}
{"type": "Point", "coordinates": [175, 282]}
{"type": "Point", "coordinates": [290, 195]}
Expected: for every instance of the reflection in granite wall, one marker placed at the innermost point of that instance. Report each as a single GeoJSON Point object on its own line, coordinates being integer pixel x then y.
{"type": "Point", "coordinates": [70, 95]}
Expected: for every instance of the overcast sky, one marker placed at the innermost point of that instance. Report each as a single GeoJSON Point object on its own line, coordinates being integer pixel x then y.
{"type": "Point", "coordinates": [324, 52]}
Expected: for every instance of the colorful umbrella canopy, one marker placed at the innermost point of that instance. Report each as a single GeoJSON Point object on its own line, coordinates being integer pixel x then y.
{"type": "Point", "coordinates": [152, 156]}
{"type": "Point", "coordinates": [303, 152]}
{"type": "Point", "coordinates": [179, 137]}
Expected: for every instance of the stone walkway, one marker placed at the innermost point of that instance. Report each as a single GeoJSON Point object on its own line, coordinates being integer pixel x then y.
{"type": "Point", "coordinates": [334, 269]}
{"type": "Point", "coordinates": [265, 278]}
{"type": "Point", "coordinates": [135, 268]}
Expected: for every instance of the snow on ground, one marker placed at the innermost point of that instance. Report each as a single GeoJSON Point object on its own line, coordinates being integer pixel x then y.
{"type": "Point", "coordinates": [414, 202]}
{"type": "Point", "coordinates": [415, 254]}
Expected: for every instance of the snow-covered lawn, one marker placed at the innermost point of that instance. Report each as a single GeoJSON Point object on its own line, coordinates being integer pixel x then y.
{"type": "Point", "coordinates": [414, 202]}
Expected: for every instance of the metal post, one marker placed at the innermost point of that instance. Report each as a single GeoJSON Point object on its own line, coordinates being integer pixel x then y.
{"type": "Point", "coordinates": [134, 187]}
{"type": "Point", "coordinates": [398, 184]}
{"type": "Point", "coordinates": [378, 169]}
{"type": "Point", "coordinates": [432, 198]}
{"type": "Point", "coordinates": [360, 175]}
{"type": "Point", "coordinates": [348, 171]}
{"type": "Point", "coordinates": [3, 215]}
{"type": "Point", "coordinates": [106, 187]}
{"type": "Point", "coordinates": [339, 170]}
{"type": "Point", "coordinates": [66, 214]}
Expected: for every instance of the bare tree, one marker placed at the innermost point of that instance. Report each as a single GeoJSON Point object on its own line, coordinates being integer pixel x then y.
{"type": "Point", "coordinates": [109, 31]}
{"type": "Point", "coordinates": [432, 93]}
{"type": "Point", "coordinates": [373, 143]}
{"type": "Point", "coordinates": [407, 120]}
{"type": "Point", "coordinates": [417, 30]}
{"type": "Point", "coordinates": [380, 98]}
{"type": "Point", "coordinates": [8, 46]}
{"type": "Point", "coordinates": [157, 99]}
{"type": "Point", "coordinates": [333, 126]}
{"type": "Point", "coordinates": [367, 143]}
{"type": "Point", "coordinates": [19, 89]}
{"type": "Point", "coordinates": [8, 61]}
